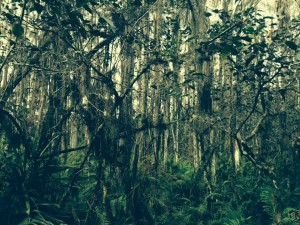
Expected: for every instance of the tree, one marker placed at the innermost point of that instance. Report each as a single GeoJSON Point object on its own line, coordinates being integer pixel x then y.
{"type": "Point", "coordinates": [149, 112]}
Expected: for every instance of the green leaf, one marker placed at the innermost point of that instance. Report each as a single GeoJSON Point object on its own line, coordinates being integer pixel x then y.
{"type": "Point", "coordinates": [94, 2]}
{"type": "Point", "coordinates": [87, 8]}
{"type": "Point", "coordinates": [109, 22]}
{"type": "Point", "coordinates": [154, 86]}
{"type": "Point", "coordinates": [192, 87]}
{"type": "Point", "coordinates": [249, 30]}
{"type": "Point", "coordinates": [10, 17]}
{"type": "Point", "coordinates": [292, 45]}
{"type": "Point", "coordinates": [268, 17]}
{"type": "Point", "coordinates": [248, 61]}
{"type": "Point", "coordinates": [137, 3]}
{"type": "Point", "coordinates": [190, 39]}
{"type": "Point", "coordinates": [99, 33]}
{"type": "Point", "coordinates": [169, 73]}
{"type": "Point", "coordinates": [11, 42]}
{"type": "Point", "coordinates": [17, 30]}
{"type": "Point", "coordinates": [187, 30]}
{"type": "Point", "coordinates": [230, 49]}
{"type": "Point", "coordinates": [187, 81]}
{"type": "Point", "coordinates": [207, 14]}
{"type": "Point", "coordinates": [81, 3]}
{"type": "Point", "coordinates": [246, 38]}
{"type": "Point", "coordinates": [37, 7]}
{"type": "Point", "coordinates": [280, 58]}
{"type": "Point", "coordinates": [28, 208]}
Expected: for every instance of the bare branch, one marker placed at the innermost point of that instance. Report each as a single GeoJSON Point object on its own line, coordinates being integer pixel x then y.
{"type": "Point", "coordinates": [100, 45]}
{"type": "Point", "coordinates": [257, 127]}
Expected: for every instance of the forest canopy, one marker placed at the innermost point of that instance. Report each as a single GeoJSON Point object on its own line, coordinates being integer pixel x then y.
{"type": "Point", "coordinates": [150, 112]}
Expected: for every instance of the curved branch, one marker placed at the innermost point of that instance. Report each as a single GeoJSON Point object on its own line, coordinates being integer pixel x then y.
{"type": "Point", "coordinates": [252, 109]}
{"type": "Point", "coordinates": [246, 150]}
{"type": "Point", "coordinates": [134, 80]}
{"type": "Point", "coordinates": [65, 151]}
{"type": "Point", "coordinates": [100, 45]}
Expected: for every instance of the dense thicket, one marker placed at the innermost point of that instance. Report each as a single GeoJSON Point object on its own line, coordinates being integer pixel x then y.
{"type": "Point", "coordinates": [149, 112]}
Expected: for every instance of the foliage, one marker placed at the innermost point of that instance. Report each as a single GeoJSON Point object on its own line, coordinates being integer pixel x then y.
{"type": "Point", "coordinates": [105, 119]}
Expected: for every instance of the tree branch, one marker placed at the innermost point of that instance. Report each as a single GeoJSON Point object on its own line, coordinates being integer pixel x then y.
{"type": "Point", "coordinates": [245, 149]}
{"type": "Point", "coordinates": [99, 46]}
{"type": "Point", "coordinates": [257, 127]}
{"type": "Point", "coordinates": [134, 80]}
{"type": "Point", "coordinates": [64, 152]}
{"type": "Point", "coordinates": [252, 109]}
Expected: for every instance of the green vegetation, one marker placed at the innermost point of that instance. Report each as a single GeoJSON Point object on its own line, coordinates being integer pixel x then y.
{"type": "Point", "coordinates": [145, 112]}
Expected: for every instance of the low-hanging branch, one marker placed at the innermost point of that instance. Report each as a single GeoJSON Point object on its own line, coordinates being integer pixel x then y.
{"type": "Point", "coordinates": [246, 150]}
{"type": "Point", "coordinates": [160, 125]}
{"type": "Point", "coordinates": [65, 151]}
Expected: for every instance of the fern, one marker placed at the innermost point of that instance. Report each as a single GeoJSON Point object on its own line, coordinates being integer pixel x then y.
{"type": "Point", "coordinates": [290, 221]}
{"type": "Point", "coordinates": [267, 197]}
{"type": "Point", "coordinates": [235, 222]}
{"type": "Point", "coordinates": [102, 217]}
{"type": "Point", "coordinates": [290, 216]}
